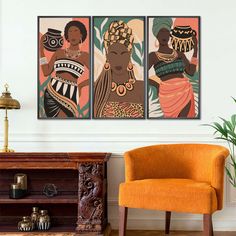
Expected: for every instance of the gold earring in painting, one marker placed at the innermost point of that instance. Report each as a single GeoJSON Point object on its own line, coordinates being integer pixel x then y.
{"type": "Point", "coordinates": [107, 66]}
{"type": "Point", "coordinates": [130, 66]}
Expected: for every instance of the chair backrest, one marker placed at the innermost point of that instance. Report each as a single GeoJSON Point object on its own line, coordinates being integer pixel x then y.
{"type": "Point", "coordinates": [200, 162]}
{"type": "Point", "coordinates": [190, 161]}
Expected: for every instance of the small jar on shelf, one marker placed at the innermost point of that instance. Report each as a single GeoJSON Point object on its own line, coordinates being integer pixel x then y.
{"type": "Point", "coordinates": [26, 224]}
{"type": "Point", "coordinates": [43, 222]}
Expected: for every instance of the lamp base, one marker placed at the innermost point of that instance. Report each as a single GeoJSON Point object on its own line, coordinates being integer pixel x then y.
{"type": "Point", "coordinates": [6, 150]}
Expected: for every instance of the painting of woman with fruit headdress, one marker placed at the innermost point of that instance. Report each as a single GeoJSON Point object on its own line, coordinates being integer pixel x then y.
{"type": "Point", "coordinates": [118, 67]}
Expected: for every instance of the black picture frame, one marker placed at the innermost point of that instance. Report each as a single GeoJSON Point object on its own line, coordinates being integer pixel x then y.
{"type": "Point", "coordinates": [38, 69]}
{"type": "Point", "coordinates": [144, 68]}
{"type": "Point", "coordinates": [198, 117]}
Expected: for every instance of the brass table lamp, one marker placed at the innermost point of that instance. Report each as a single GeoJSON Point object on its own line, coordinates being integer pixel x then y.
{"type": "Point", "coordinates": [7, 102]}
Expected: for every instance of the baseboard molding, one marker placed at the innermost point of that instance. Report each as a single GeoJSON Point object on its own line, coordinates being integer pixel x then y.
{"type": "Point", "coordinates": [176, 224]}
{"type": "Point", "coordinates": [188, 222]}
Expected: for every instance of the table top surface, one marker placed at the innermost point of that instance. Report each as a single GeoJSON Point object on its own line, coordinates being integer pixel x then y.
{"type": "Point", "coordinates": [54, 156]}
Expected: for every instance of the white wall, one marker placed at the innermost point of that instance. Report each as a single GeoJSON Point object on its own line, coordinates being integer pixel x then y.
{"type": "Point", "coordinates": [18, 67]}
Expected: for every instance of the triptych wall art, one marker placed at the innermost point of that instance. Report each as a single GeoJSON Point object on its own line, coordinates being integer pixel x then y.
{"type": "Point", "coordinates": [109, 67]}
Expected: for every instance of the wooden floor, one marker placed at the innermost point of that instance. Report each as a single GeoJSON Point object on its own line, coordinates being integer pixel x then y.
{"type": "Point", "coordinates": [176, 233]}
{"type": "Point", "coordinates": [129, 233]}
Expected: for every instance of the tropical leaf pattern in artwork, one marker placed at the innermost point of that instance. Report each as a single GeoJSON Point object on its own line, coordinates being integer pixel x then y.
{"type": "Point", "coordinates": [154, 104]}
{"type": "Point", "coordinates": [42, 88]}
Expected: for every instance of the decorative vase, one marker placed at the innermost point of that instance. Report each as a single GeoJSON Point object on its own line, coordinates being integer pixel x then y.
{"type": "Point", "coordinates": [21, 179]}
{"type": "Point", "coordinates": [16, 191]}
{"type": "Point", "coordinates": [182, 38]}
{"type": "Point", "coordinates": [26, 224]}
{"type": "Point", "coordinates": [35, 216]}
{"type": "Point", "coordinates": [53, 40]}
{"type": "Point", "coordinates": [43, 222]}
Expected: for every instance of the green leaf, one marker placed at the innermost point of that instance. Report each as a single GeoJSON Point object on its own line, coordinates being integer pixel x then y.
{"type": "Point", "coordinates": [226, 132]}
{"type": "Point", "coordinates": [225, 129]}
{"type": "Point", "coordinates": [234, 99]}
{"type": "Point", "coordinates": [85, 107]}
{"type": "Point", "coordinates": [232, 140]}
{"type": "Point", "coordinates": [44, 84]}
{"type": "Point", "coordinates": [220, 129]}
{"type": "Point", "coordinates": [233, 161]}
{"type": "Point", "coordinates": [232, 179]}
{"type": "Point", "coordinates": [233, 134]}
{"type": "Point", "coordinates": [214, 127]}
{"type": "Point", "coordinates": [229, 174]}
{"type": "Point", "coordinates": [136, 58]}
{"type": "Point", "coordinates": [227, 139]}
{"type": "Point", "coordinates": [227, 123]}
{"type": "Point", "coordinates": [233, 121]}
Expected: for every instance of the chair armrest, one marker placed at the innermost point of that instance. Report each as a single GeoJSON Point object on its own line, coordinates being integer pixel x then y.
{"type": "Point", "coordinates": [217, 178]}
{"type": "Point", "coordinates": [129, 168]}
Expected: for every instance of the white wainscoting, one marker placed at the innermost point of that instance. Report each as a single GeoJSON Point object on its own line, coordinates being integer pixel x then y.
{"type": "Point", "coordinates": [117, 144]}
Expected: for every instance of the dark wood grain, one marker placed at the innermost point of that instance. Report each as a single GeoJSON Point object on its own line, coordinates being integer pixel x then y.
{"type": "Point", "coordinates": [12, 228]}
{"type": "Point", "coordinates": [81, 180]}
{"type": "Point", "coordinates": [65, 180]}
{"type": "Point", "coordinates": [207, 225]}
{"type": "Point", "coordinates": [54, 156]}
{"type": "Point", "coordinates": [167, 226]}
{"type": "Point", "coordinates": [123, 211]}
{"type": "Point", "coordinates": [11, 210]}
{"type": "Point", "coordinates": [38, 199]}
{"type": "Point", "coordinates": [91, 197]}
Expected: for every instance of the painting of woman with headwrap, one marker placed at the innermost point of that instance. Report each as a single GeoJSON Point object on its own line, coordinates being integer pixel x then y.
{"type": "Point", "coordinates": [64, 62]}
{"type": "Point", "coordinates": [118, 67]}
{"type": "Point", "coordinates": [173, 68]}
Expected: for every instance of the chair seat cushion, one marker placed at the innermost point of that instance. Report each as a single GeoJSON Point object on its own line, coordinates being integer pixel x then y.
{"type": "Point", "coordinates": [180, 195]}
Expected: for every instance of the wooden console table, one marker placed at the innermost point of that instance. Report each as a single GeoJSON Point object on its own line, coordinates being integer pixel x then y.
{"type": "Point", "coordinates": [81, 179]}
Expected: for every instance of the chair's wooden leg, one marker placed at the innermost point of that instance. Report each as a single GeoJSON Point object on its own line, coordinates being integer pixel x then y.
{"type": "Point", "coordinates": [207, 225]}
{"type": "Point", "coordinates": [168, 217]}
{"type": "Point", "coordinates": [123, 211]}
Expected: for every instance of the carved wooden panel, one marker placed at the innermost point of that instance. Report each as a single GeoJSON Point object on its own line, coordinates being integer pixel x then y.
{"type": "Point", "coordinates": [91, 197]}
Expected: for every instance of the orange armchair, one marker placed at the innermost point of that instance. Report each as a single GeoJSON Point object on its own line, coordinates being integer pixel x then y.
{"type": "Point", "coordinates": [176, 177]}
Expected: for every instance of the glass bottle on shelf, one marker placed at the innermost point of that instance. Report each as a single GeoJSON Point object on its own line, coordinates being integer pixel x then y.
{"type": "Point", "coordinates": [35, 216]}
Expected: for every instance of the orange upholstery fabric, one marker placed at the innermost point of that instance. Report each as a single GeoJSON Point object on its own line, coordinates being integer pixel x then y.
{"type": "Point", "coordinates": [176, 177]}
{"type": "Point", "coordinates": [182, 195]}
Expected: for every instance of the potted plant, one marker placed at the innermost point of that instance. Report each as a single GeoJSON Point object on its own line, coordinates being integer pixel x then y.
{"type": "Point", "coordinates": [226, 130]}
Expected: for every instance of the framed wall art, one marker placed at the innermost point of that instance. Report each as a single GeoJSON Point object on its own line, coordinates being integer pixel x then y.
{"type": "Point", "coordinates": [63, 67]}
{"type": "Point", "coordinates": [119, 62]}
{"type": "Point", "coordinates": [173, 90]}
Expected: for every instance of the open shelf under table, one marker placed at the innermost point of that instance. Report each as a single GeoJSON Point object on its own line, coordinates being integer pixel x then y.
{"type": "Point", "coordinates": [13, 228]}
{"type": "Point", "coordinates": [40, 199]}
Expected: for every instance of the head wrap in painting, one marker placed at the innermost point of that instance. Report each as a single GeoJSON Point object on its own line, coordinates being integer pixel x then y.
{"type": "Point", "coordinates": [118, 32]}
{"type": "Point", "coordinates": [161, 22]}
